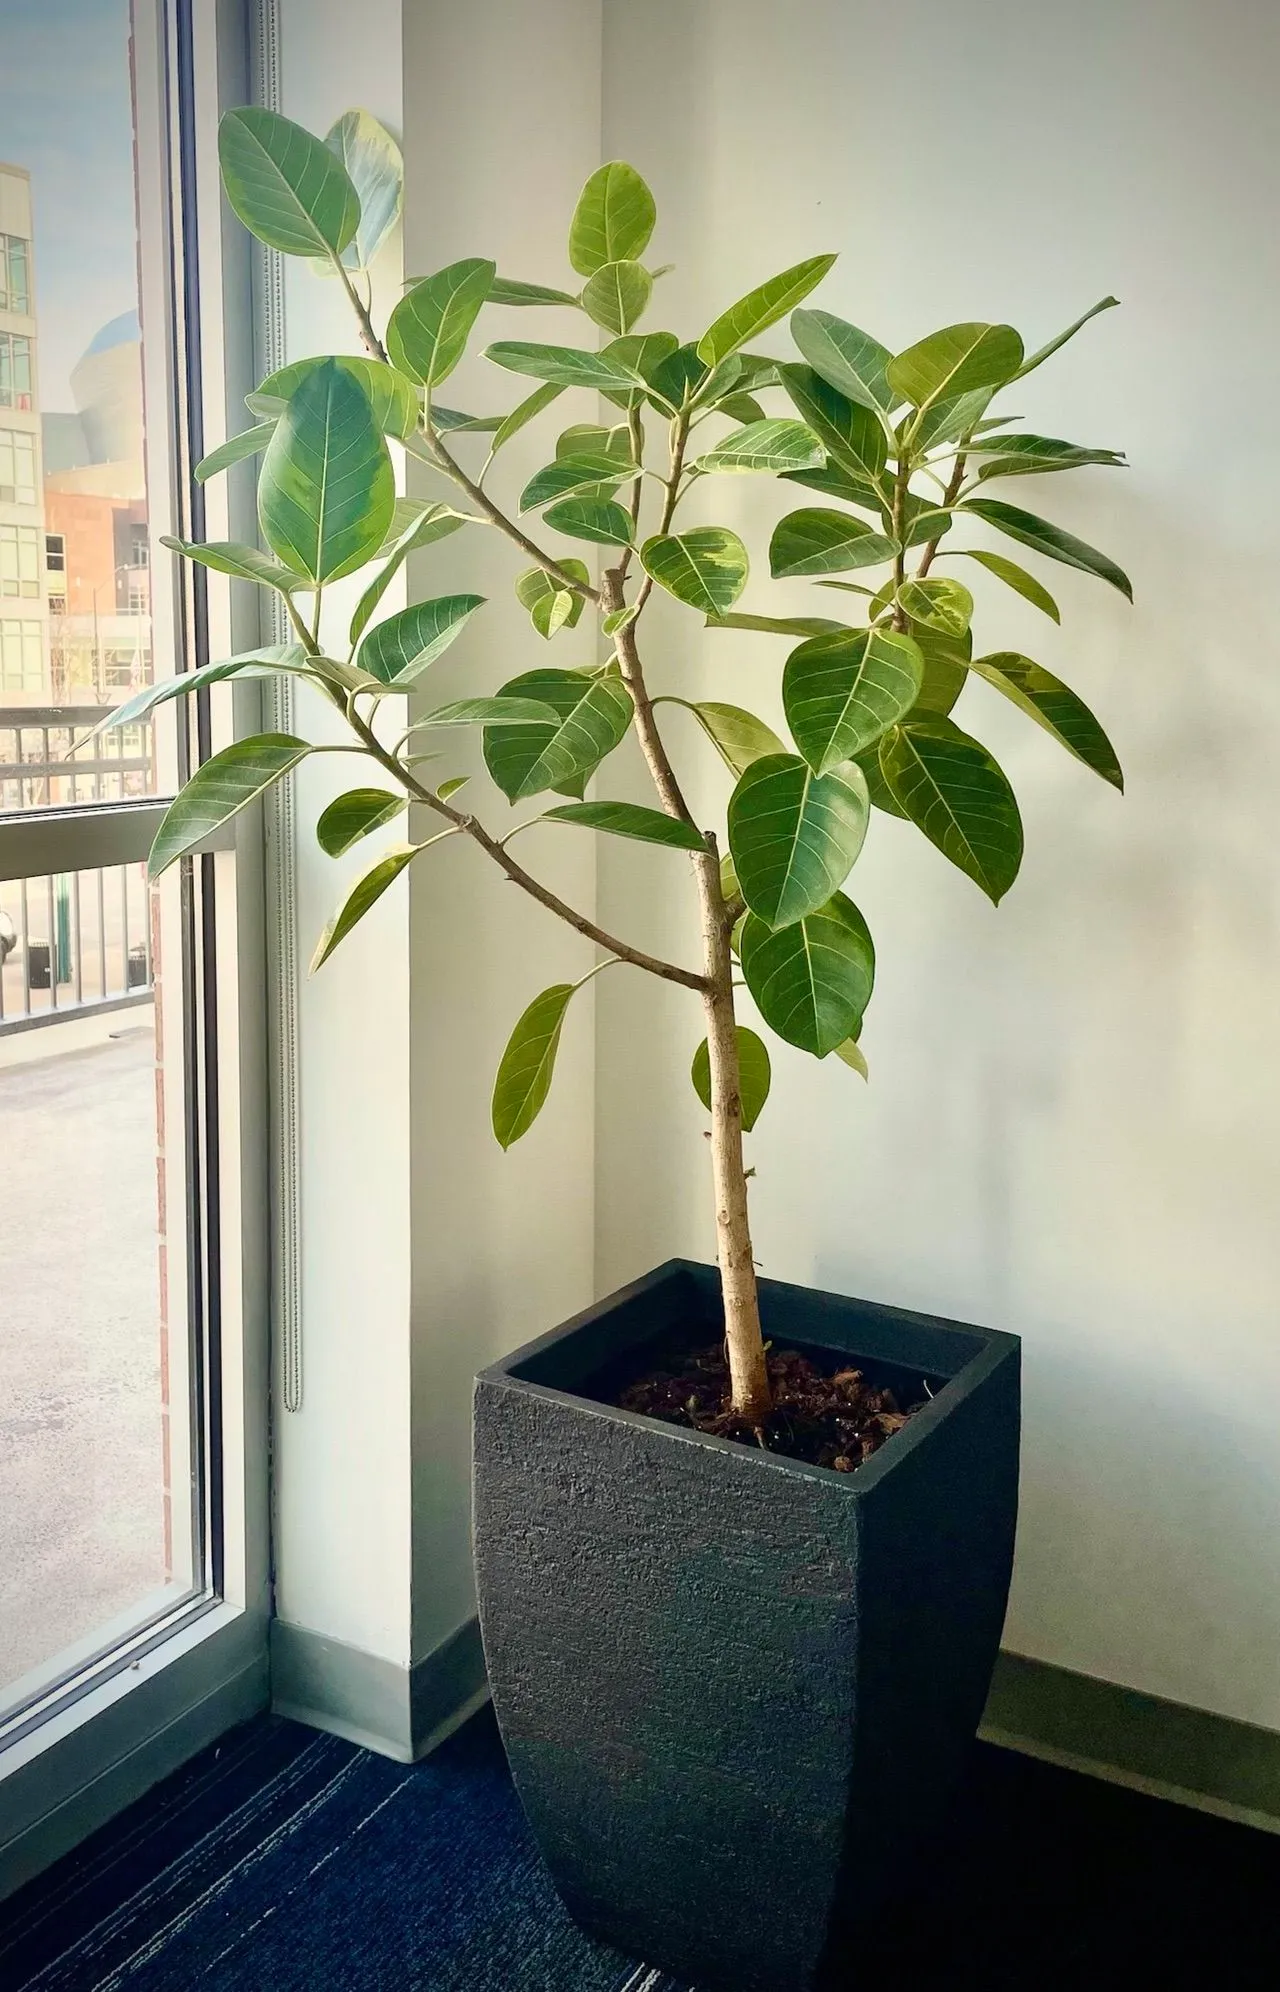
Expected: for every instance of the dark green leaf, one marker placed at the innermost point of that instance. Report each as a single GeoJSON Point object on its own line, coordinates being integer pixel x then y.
{"type": "Point", "coordinates": [754, 1075]}
{"type": "Point", "coordinates": [617, 295]}
{"type": "Point", "coordinates": [398, 650]}
{"type": "Point", "coordinates": [836, 482]}
{"type": "Point", "coordinates": [705, 567]}
{"type": "Point", "coordinates": [761, 308]}
{"type": "Point", "coordinates": [243, 563]}
{"type": "Point", "coordinates": [326, 494]}
{"type": "Point", "coordinates": [851, 433]}
{"type": "Point", "coordinates": [678, 377]}
{"type": "Point", "coordinates": [1049, 539]}
{"type": "Point", "coordinates": [219, 789]}
{"type": "Point", "coordinates": [428, 330]}
{"type": "Point", "coordinates": [352, 816]}
{"type": "Point", "coordinates": [795, 835]}
{"type": "Point", "coordinates": [840, 692]}
{"type": "Point", "coordinates": [524, 1074]}
{"type": "Point", "coordinates": [415, 524]}
{"type": "Point", "coordinates": [952, 788]}
{"type": "Point", "coordinates": [741, 408]}
{"type": "Point", "coordinates": [510, 290]}
{"type": "Point", "coordinates": [533, 404]}
{"type": "Point", "coordinates": [285, 184]}
{"type": "Point", "coordinates": [593, 715]}
{"type": "Point", "coordinates": [937, 603]}
{"type": "Point", "coordinates": [1038, 359]}
{"type": "Point", "coordinates": [769, 445]}
{"type": "Point", "coordinates": [566, 366]}
{"type": "Point", "coordinates": [251, 442]}
{"type": "Point", "coordinates": [376, 171]}
{"type": "Point", "coordinates": [882, 796]}
{"type": "Point", "coordinates": [1015, 577]}
{"type": "Point", "coordinates": [643, 353]}
{"type": "Point", "coordinates": [946, 668]}
{"type": "Point", "coordinates": [812, 541]}
{"type": "Point", "coordinates": [950, 421]}
{"type": "Point", "coordinates": [960, 359]}
{"type": "Point", "coordinates": [777, 625]}
{"type": "Point", "coordinates": [262, 663]}
{"type": "Point", "coordinates": [392, 399]}
{"type": "Point", "coordinates": [1032, 456]}
{"type": "Point", "coordinates": [811, 982]}
{"type": "Point", "coordinates": [364, 893]}
{"type": "Point", "coordinates": [599, 520]}
{"type": "Point", "coordinates": [1054, 707]}
{"type": "Point", "coordinates": [630, 819]}
{"type": "Point", "coordinates": [849, 360]}
{"type": "Point", "coordinates": [613, 220]}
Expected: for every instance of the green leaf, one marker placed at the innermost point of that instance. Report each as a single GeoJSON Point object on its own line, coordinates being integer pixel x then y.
{"type": "Point", "coordinates": [524, 1073]}
{"type": "Point", "coordinates": [569, 474]}
{"type": "Point", "coordinates": [948, 421]}
{"type": "Point", "coordinates": [613, 220]}
{"type": "Point", "coordinates": [618, 619]}
{"type": "Point", "coordinates": [738, 736]}
{"type": "Point", "coordinates": [352, 816]}
{"type": "Point", "coordinates": [813, 541]}
{"type": "Point", "coordinates": [851, 433]}
{"type": "Point", "coordinates": [428, 330]}
{"type": "Point", "coordinates": [250, 442]}
{"type": "Point", "coordinates": [510, 290]}
{"type": "Point", "coordinates": [851, 1053]}
{"type": "Point", "coordinates": [770, 445]}
{"type": "Point", "coordinates": [742, 408]}
{"type": "Point", "coordinates": [445, 419]}
{"type": "Point", "coordinates": [262, 663]}
{"type": "Point", "coordinates": [840, 692]}
{"type": "Point", "coordinates": [414, 524]}
{"type": "Point", "coordinates": [326, 494]}
{"type": "Point", "coordinates": [219, 789]}
{"type": "Point", "coordinates": [678, 377]}
{"type": "Point", "coordinates": [566, 366]}
{"type": "Point", "coordinates": [960, 359]}
{"type": "Point", "coordinates": [533, 404]}
{"type": "Point", "coordinates": [811, 982]}
{"type": "Point", "coordinates": [834, 481]}
{"type": "Point", "coordinates": [937, 603]}
{"type": "Point", "coordinates": [1033, 456]}
{"type": "Point", "coordinates": [376, 171]}
{"type": "Point", "coordinates": [617, 295]}
{"type": "Point", "coordinates": [849, 360]}
{"type": "Point", "coordinates": [882, 796]}
{"type": "Point", "coordinates": [924, 519]}
{"type": "Point", "coordinates": [599, 520]}
{"type": "Point", "coordinates": [392, 399]}
{"type": "Point", "coordinates": [705, 567]}
{"type": "Point", "coordinates": [1053, 706]}
{"type": "Point", "coordinates": [243, 563]}
{"type": "Point", "coordinates": [1038, 359]}
{"type": "Point", "coordinates": [952, 788]}
{"type": "Point", "coordinates": [1014, 577]}
{"type": "Point", "coordinates": [364, 893]}
{"type": "Point", "coordinates": [451, 787]}
{"type": "Point", "coordinates": [492, 712]}
{"type": "Point", "coordinates": [630, 819]}
{"type": "Point", "coordinates": [398, 650]}
{"type": "Point", "coordinates": [643, 353]}
{"type": "Point", "coordinates": [285, 184]}
{"type": "Point", "coordinates": [551, 608]}
{"type": "Point", "coordinates": [777, 625]}
{"type": "Point", "coordinates": [1050, 540]}
{"type": "Point", "coordinates": [795, 835]}
{"type": "Point", "coordinates": [755, 1074]}
{"type": "Point", "coordinates": [592, 717]}
{"type": "Point", "coordinates": [761, 308]}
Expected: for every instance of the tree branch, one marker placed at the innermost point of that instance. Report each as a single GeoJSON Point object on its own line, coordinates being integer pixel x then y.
{"type": "Point", "coordinates": [438, 456]}
{"type": "Point", "coordinates": [949, 497]}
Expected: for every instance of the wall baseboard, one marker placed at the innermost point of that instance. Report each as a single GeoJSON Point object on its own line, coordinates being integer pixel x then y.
{"type": "Point", "coordinates": [1188, 1755]}
{"type": "Point", "coordinates": [401, 1712]}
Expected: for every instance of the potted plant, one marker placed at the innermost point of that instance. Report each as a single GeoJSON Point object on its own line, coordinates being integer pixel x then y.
{"type": "Point", "coordinates": [743, 1549]}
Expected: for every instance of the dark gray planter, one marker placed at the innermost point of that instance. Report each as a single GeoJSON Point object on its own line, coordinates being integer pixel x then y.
{"type": "Point", "coordinates": [736, 1691]}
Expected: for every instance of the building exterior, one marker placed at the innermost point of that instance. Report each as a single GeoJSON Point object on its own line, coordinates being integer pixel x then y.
{"type": "Point", "coordinates": [24, 611]}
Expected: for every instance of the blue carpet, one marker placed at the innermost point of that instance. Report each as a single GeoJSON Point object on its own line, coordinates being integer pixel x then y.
{"type": "Point", "coordinates": [290, 1860]}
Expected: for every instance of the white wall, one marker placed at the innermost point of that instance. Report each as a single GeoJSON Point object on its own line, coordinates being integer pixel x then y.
{"type": "Point", "coordinates": [1071, 1129]}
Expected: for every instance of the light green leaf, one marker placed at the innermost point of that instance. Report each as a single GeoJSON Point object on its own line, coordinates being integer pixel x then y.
{"type": "Point", "coordinates": [613, 220]}
{"type": "Point", "coordinates": [851, 1053]}
{"type": "Point", "coordinates": [618, 619]}
{"type": "Point", "coordinates": [777, 625]}
{"type": "Point", "coordinates": [551, 608]}
{"type": "Point", "coordinates": [398, 650]}
{"type": "Point", "coordinates": [262, 663]}
{"type": "Point", "coordinates": [428, 330]}
{"type": "Point", "coordinates": [813, 541]}
{"type": "Point", "coordinates": [960, 359]}
{"type": "Point", "coordinates": [948, 421]}
{"type": "Point", "coordinates": [492, 712]}
{"type": "Point", "coordinates": [1053, 706]}
{"type": "Point", "coordinates": [742, 408]}
{"type": "Point", "coordinates": [617, 295]}
{"type": "Point", "coordinates": [946, 668]}
{"type": "Point", "coordinates": [392, 399]}
{"type": "Point", "coordinates": [795, 835]}
{"type": "Point", "coordinates": [524, 1073]}
{"type": "Point", "coordinates": [755, 1074]}
{"type": "Point", "coordinates": [811, 982]}
{"type": "Point", "coordinates": [705, 567]}
{"type": "Point", "coordinates": [447, 419]}
{"type": "Point", "coordinates": [510, 290]}
{"type": "Point", "coordinates": [937, 603]}
{"type": "Point", "coordinates": [219, 789]}
{"type": "Point", "coordinates": [1049, 539]}
{"type": "Point", "coordinates": [593, 439]}
{"type": "Point", "coordinates": [570, 474]}
{"type": "Point", "coordinates": [243, 563]}
{"type": "Point", "coordinates": [849, 360]}
{"type": "Point", "coordinates": [1038, 359]}
{"type": "Point", "coordinates": [630, 819]}
{"type": "Point", "coordinates": [1033, 456]}
{"type": "Point", "coordinates": [851, 433]}
{"type": "Point", "coordinates": [285, 184]}
{"type": "Point", "coordinates": [834, 481]}
{"type": "Point", "coordinates": [769, 445]}
{"type": "Point", "coordinates": [1014, 577]}
{"type": "Point", "coordinates": [592, 717]}
{"type": "Point", "coordinates": [953, 789]}
{"type": "Point", "coordinates": [761, 308]}
{"type": "Point", "coordinates": [643, 353]}
{"type": "Point", "coordinates": [738, 736]}
{"type": "Point", "coordinates": [364, 893]}
{"type": "Point", "coordinates": [533, 404]}
{"type": "Point", "coordinates": [841, 692]}
{"type": "Point", "coordinates": [451, 787]}
{"type": "Point", "coordinates": [415, 524]}
{"type": "Point", "coordinates": [250, 442]}
{"type": "Point", "coordinates": [326, 494]}
{"type": "Point", "coordinates": [354, 815]}
{"type": "Point", "coordinates": [376, 171]}
{"type": "Point", "coordinates": [599, 520]}
{"type": "Point", "coordinates": [566, 366]}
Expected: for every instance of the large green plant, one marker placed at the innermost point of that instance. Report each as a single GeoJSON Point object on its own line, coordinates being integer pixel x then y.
{"type": "Point", "coordinates": [896, 457]}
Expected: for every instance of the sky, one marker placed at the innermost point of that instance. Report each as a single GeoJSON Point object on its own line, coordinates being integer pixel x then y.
{"type": "Point", "coordinates": [65, 115]}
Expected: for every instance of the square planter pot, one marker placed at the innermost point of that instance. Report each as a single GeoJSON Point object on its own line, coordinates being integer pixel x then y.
{"type": "Point", "coordinates": [736, 1690]}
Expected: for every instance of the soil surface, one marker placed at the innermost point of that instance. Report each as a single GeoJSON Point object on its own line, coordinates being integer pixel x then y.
{"type": "Point", "coordinates": [832, 1418]}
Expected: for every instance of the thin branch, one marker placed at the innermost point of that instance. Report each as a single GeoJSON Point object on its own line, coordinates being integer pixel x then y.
{"type": "Point", "coordinates": [435, 453]}
{"type": "Point", "coordinates": [949, 497]}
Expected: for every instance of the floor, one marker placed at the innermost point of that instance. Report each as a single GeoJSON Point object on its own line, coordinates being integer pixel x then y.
{"type": "Point", "coordinates": [296, 1862]}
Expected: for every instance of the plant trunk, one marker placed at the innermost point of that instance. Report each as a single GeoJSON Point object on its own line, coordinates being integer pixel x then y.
{"type": "Point", "coordinates": [748, 1372]}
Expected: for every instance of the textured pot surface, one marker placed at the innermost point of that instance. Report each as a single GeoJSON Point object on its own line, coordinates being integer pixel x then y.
{"type": "Point", "coordinates": [736, 1690]}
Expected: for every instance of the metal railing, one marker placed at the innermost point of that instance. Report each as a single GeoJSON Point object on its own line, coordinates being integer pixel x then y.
{"type": "Point", "coordinates": [48, 761]}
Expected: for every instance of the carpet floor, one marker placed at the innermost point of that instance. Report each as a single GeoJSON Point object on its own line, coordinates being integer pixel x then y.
{"type": "Point", "coordinates": [291, 1861]}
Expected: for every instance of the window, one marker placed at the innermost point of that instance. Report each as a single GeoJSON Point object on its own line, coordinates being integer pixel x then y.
{"type": "Point", "coordinates": [55, 553]}
{"type": "Point", "coordinates": [20, 561]}
{"type": "Point", "coordinates": [17, 467]}
{"type": "Point", "coordinates": [21, 656]}
{"type": "Point", "coordinates": [15, 371]}
{"type": "Point", "coordinates": [15, 274]}
{"type": "Point", "coordinates": [139, 547]}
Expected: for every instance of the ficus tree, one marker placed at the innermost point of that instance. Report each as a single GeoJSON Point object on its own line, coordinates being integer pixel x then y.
{"type": "Point", "coordinates": [896, 458]}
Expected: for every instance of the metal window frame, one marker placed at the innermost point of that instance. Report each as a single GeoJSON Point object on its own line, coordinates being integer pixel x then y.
{"type": "Point", "coordinates": [200, 1662]}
